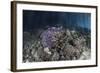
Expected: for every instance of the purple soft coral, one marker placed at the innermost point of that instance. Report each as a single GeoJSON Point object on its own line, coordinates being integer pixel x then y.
{"type": "Point", "coordinates": [48, 36]}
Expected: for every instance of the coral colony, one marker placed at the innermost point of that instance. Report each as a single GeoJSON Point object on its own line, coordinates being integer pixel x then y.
{"type": "Point", "coordinates": [56, 44]}
{"type": "Point", "coordinates": [50, 36]}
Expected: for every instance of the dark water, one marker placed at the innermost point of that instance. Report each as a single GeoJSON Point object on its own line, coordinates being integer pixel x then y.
{"type": "Point", "coordinates": [43, 19]}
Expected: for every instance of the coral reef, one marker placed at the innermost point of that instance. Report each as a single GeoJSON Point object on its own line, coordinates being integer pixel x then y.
{"type": "Point", "coordinates": [55, 44]}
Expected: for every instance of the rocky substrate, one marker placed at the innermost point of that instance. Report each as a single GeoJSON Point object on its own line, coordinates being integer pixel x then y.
{"type": "Point", "coordinates": [56, 44]}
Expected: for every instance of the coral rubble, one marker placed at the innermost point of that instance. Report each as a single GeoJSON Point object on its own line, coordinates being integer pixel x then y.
{"type": "Point", "coordinates": [56, 44]}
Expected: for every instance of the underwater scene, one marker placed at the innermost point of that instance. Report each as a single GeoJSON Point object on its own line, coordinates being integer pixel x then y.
{"type": "Point", "coordinates": [56, 36]}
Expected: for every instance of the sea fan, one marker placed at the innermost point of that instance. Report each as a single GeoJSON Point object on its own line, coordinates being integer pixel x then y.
{"type": "Point", "coordinates": [50, 36]}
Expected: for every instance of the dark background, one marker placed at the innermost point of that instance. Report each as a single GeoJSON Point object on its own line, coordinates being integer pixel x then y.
{"type": "Point", "coordinates": [42, 19]}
